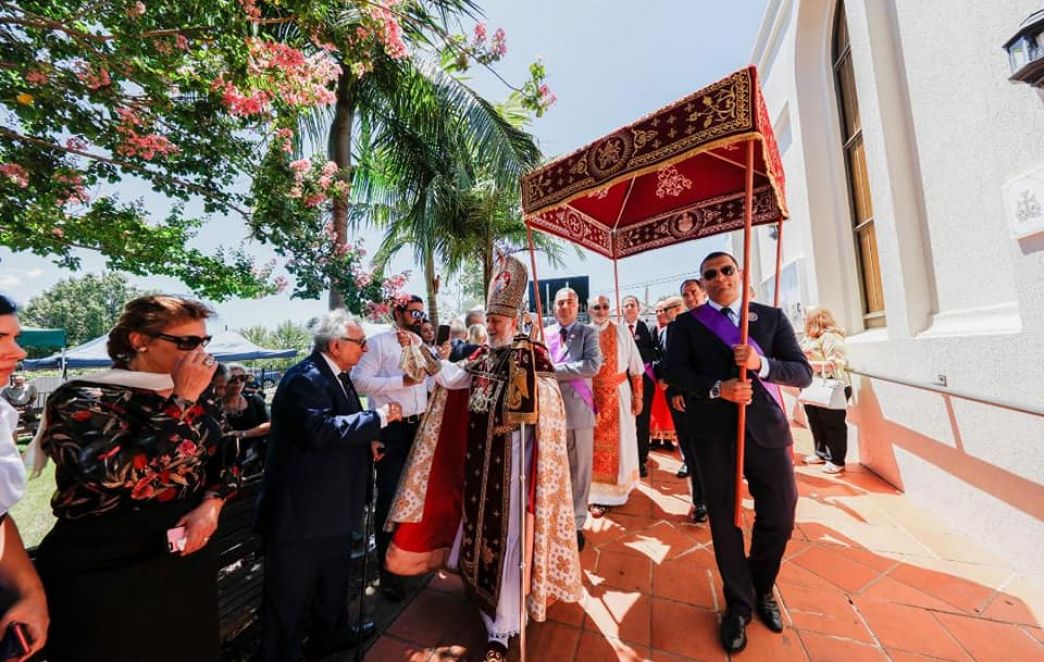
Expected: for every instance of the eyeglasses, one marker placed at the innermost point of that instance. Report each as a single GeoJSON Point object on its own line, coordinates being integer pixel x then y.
{"type": "Point", "coordinates": [361, 342]}
{"type": "Point", "coordinates": [599, 306]}
{"type": "Point", "coordinates": [235, 379]}
{"type": "Point", "coordinates": [711, 274]}
{"type": "Point", "coordinates": [184, 343]}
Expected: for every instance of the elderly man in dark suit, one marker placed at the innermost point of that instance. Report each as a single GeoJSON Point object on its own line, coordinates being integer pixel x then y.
{"type": "Point", "coordinates": [577, 356]}
{"type": "Point", "coordinates": [649, 350]}
{"type": "Point", "coordinates": [313, 494]}
{"type": "Point", "coordinates": [703, 356]}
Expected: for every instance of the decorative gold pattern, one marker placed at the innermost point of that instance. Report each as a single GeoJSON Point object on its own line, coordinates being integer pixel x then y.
{"type": "Point", "coordinates": [722, 110]}
{"type": "Point", "coordinates": [671, 182]}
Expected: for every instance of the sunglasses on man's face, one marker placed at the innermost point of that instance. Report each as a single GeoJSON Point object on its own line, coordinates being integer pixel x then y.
{"type": "Point", "coordinates": [236, 379]}
{"type": "Point", "coordinates": [415, 314]}
{"type": "Point", "coordinates": [711, 274]}
{"type": "Point", "coordinates": [184, 343]}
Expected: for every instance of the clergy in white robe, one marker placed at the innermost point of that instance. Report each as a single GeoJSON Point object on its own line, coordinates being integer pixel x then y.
{"type": "Point", "coordinates": [618, 399]}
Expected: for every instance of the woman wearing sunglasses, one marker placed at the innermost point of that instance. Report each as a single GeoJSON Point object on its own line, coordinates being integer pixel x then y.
{"type": "Point", "coordinates": [141, 479]}
{"type": "Point", "coordinates": [247, 418]}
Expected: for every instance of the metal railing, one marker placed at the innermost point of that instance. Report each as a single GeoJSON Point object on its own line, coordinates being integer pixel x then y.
{"type": "Point", "coordinates": [964, 395]}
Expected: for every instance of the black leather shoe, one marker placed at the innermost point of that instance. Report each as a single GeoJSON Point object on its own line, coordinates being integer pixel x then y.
{"type": "Point", "coordinates": [495, 652]}
{"type": "Point", "coordinates": [699, 514]}
{"type": "Point", "coordinates": [323, 646]}
{"type": "Point", "coordinates": [580, 541]}
{"type": "Point", "coordinates": [643, 471]}
{"type": "Point", "coordinates": [655, 443]}
{"type": "Point", "coordinates": [391, 587]}
{"type": "Point", "coordinates": [683, 472]}
{"type": "Point", "coordinates": [768, 611]}
{"type": "Point", "coordinates": [668, 446]}
{"type": "Point", "coordinates": [733, 632]}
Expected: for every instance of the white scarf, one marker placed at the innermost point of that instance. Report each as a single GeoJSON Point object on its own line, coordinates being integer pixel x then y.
{"type": "Point", "coordinates": [36, 459]}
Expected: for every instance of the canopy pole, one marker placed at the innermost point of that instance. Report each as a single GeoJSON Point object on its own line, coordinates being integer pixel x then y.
{"type": "Point", "coordinates": [616, 281]}
{"type": "Point", "coordinates": [536, 283]}
{"type": "Point", "coordinates": [779, 259]}
{"type": "Point", "coordinates": [741, 424]}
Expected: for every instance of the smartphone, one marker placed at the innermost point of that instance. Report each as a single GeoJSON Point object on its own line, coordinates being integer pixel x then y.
{"type": "Point", "coordinates": [15, 642]}
{"type": "Point", "coordinates": [442, 335]}
{"type": "Point", "coordinates": [177, 538]}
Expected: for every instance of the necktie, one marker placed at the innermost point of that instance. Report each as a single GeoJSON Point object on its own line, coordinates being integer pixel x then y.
{"type": "Point", "coordinates": [564, 332]}
{"type": "Point", "coordinates": [631, 327]}
{"type": "Point", "coordinates": [349, 389]}
{"type": "Point", "coordinates": [727, 312]}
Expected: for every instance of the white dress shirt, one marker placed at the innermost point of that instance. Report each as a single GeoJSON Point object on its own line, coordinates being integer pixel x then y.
{"type": "Point", "coordinates": [12, 470]}
{"type": "Point", "coordinates": [378, 376]}
{"type": "Point", "coordinates": [733, 316]}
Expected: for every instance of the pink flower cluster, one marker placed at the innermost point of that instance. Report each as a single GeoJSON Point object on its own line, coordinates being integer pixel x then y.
{"type": "Point", "coordinates": [388, 29]}
{"type": "Point", "coordinates": [314, 183]}
{"type": "Point", "coordinates": [136, 10]}
{"type": "Point", "coordinates": [285, 136]}
{"type": "Point", "coordinates": [498, 47]}
{"type": "Point", "coordinates": [15, 173]}
{"type": "Point", "coordinates": [253, 12]}
{"type": "Point", "coordinates": [283, 73]}
{"type": "Point", "coordinates": [76, 192]}
{"type": "Point", "coordinates": [76, 143]}
{"type": "Point", "coordinates": [37, 77]}
{"type": "Point", "coordinates": [135, 144]}
{"type": "Point", "coordinates": [547, 97]}
{"type": "Point", "coordinates": [94, 80]}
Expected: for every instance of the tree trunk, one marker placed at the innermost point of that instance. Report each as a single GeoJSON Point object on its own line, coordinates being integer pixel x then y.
{"type": "Point", "coordinates": [429, 281]}
{"type": "Point", "coordinates": [339, 150]}
{"type": "Point", "coordinates": [487, 266]}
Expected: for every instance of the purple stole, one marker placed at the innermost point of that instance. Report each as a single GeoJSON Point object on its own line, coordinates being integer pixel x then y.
{"type": "Point", "coordinates": [729, 333]}
{"type": "Point", "coordinates": [559, 353]}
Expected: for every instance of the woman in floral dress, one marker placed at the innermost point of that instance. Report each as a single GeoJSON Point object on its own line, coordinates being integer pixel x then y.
{"type": "Point", "coordinates": [139, 459]}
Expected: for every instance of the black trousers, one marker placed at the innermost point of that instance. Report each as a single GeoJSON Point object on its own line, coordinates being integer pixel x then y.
{"type": "Point", "coordinates": [642, 420]}
{"type": "Point", "coordinates": [300, 575]}
{"type": "Point", "coordinates": [397, 439]}
{"type": "Point", "coordinates": [829, 431]}
{"type": "Point", "coordinates": [688, 451]}
{"type": "Point", "coordinates": [770, 478]}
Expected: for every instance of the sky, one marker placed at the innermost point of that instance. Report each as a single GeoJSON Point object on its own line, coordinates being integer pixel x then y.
{"type": "Point", "coordinates": [609, 62]}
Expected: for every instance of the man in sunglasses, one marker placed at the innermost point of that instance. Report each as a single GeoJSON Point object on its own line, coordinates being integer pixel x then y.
{"type": "Point", "coordinates": [618, 399]}
{"type": "Point", "coordinates": [315, 483]}
{"type": "Point", "coordinates": [703, 357]}
{"type": "Point", "coordinates": [380, 378]}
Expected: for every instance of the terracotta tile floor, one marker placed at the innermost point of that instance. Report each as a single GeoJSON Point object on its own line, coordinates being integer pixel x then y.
{"type": "Point", "coordinates": [867, 576]}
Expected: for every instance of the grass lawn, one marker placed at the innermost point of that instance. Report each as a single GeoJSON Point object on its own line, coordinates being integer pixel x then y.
{"type": "Point", "coordinates": [33, 512]}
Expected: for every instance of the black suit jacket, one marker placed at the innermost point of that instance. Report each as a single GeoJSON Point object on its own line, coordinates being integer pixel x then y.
{"type": "Point", "coordinates": [696, 359]}
{"type": "Point", "coordinates": [319, 458]}
{"type": "Point", "coordinates": [648, 348]}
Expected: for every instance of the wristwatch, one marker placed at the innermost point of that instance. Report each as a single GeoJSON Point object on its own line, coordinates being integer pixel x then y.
{"type": "Point", "coordinates": [715, 391]}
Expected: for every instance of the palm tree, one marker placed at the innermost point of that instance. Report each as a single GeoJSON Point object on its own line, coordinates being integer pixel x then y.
{"type": "Point", "coordinates": [446, 185]}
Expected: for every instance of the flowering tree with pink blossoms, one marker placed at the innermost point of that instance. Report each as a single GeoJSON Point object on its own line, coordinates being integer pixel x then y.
{"type": "Point", "coordinates": [188, 98]}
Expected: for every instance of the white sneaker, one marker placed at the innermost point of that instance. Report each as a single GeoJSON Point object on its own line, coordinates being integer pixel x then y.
{"type": "Point", "coordinates": [813, 459]}
{"type": "Point", "coordinates": [831, 468]}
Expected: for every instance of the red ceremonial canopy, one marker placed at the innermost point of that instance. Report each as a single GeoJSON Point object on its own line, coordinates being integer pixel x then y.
{"type": "Point", "coordinates": [672, 176]}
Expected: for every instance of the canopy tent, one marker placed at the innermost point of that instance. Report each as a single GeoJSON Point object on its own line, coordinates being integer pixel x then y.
{"type": "Point", "coordinates": [31, 337]}
{"type": "Point", "coordinates": [226, 346]}
{"type": "Point", "coordinates": [703, 165]}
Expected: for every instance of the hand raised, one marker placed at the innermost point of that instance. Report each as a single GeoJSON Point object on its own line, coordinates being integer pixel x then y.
{"type": "Point", "coordinates": [736, 391]}
{"type": "Point", "coordinates": [192, 374]}
{"type": "Point", "coordinates": [392, 412]}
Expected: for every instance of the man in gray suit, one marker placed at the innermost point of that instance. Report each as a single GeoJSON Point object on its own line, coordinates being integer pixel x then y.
{"type": "Point", "coordinates": [577, 355]}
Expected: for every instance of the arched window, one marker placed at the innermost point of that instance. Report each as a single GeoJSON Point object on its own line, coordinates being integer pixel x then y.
{"type": "Point", "coordinates": [862, 209]}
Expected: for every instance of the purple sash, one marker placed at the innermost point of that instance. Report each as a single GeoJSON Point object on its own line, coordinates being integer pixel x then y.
{"type": "Point", "coordinates": [559, 353]}
{"type": "Point", "coordinates": [729, 333]}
